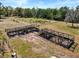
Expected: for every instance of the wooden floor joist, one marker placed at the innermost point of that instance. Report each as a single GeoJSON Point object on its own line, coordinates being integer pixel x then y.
{"type": "Point", "coordinates": [21, 30]}
{"type": "Point", "coordinates": [59, 38]}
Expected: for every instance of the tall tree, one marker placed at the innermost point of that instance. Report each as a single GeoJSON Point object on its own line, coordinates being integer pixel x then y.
{"type": "Point", "coordinates": [62, 12]}
{"type": "Point", "coordinates": [8, 11]}
{"type": "Point", "coordinates": [55, 14]}
{"type": "Point", "coordinates": [27, 12]}
{"type": "Point", "coordinates": [19, 12]}
{"type": "Point", "coordinates": [34, 12]}
{"type": "Point", "coordinates": [1, 10]}
{"type": "Point", "coordinates": [77, 14]}
{"type": "Point", "coordinates": [70, 17]}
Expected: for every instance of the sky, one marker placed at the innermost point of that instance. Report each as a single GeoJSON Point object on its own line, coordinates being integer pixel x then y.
{"type": "Point", "coordinates": [41, 3]}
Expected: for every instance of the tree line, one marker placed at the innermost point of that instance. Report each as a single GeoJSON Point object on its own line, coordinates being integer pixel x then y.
{"type": "Point", "coordinates": [57, 14]}
{"type": "Point", "coordinates": [61, 14]}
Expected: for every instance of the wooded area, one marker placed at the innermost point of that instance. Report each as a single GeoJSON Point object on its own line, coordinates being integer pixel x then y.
{"type": "Point", "coordinates": [49, 13]}
{"type": "Point", "coordinates": [62, 14]}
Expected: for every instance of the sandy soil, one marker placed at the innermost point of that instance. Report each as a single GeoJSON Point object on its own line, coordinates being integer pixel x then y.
{"type": "Point", "coordinates": [41, 45]}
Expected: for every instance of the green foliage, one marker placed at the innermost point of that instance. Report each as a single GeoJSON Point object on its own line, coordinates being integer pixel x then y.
{"type": "Point", "coordinates": [27, 13]}
{"type": "Point", "coordinates": [24, 49]}
{"type": "Point", "coordinates": [72, 16]}
{"type": "Point", "coordinates": [21, 47]}
{"type": "Point", "coordinates": [34, 12]}
{"type": "Point", "coordinates": [49, 13]}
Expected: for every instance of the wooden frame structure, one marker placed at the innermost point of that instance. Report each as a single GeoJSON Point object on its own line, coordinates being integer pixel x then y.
{"type": "Point", "coordinates": [62, 39]}
{"type": "Point", "coordinates": [21, 30]}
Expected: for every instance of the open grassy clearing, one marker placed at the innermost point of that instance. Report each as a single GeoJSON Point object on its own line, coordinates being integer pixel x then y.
{"type": "Point", "coordinates": [55, 25]}
{"type": "Point", "coordinates": [24, 48]}
{"type": "Point", "coordinates": [40, 48]}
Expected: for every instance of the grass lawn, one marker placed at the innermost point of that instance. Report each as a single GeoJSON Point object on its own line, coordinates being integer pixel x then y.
{"type": "Point", "coordinates": [24, 49]}
{"type": "Point", "coordinates": [55, 25]}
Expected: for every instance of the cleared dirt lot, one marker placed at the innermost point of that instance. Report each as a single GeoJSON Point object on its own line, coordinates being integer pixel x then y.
{"type": "Point", "coordinates": [44, 47]}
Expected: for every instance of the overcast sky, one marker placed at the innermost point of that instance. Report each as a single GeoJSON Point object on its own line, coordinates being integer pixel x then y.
{"type": "Point", "coordinates": [41, 3]}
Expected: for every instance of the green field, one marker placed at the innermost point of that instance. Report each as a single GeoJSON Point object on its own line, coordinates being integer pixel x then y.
{"type": "Point", "coordinates": [51, 24]}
